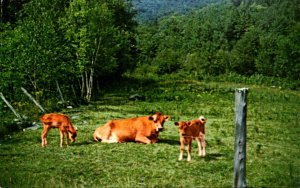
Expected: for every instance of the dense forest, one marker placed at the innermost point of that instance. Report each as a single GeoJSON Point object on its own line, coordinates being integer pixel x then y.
{"type": "Point", "coordinates": [150, 10]}
{"type": "Point", "coordinates": [259, 37]}
{"type": "Point", "coordinates": [77, 45]}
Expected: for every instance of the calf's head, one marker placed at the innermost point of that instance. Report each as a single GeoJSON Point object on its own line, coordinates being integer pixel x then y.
{"type": "Point", "coordinates": [159, 120]}
{"type": "Point", "coordinates": [73, 134]}
{"type": "Point", "coordinates": [183, 126]}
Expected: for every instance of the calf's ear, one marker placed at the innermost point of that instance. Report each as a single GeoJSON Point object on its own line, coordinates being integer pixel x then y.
{"type": "Point", "coordinates": [167, 118]}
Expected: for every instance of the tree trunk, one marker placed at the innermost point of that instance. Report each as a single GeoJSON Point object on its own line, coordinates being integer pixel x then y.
{"type": "Point", "coordinates": [82, 86]}
{"type": "Point", "coordinates": [87, 78]}
{"type": "Point", "coordinates": [89, 84]}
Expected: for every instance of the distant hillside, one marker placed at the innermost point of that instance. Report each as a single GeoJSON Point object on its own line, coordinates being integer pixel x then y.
{"type": "Point", "coordinates": [149, 10]}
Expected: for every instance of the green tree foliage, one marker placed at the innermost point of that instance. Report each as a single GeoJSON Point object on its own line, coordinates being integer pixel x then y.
{"type": "Point", "coordinates": [10, 10]}
{"type": "Point", "coordinates": [101, 41]}
{"type": "Point", "coordinates": [244, 37]}
{"type": "Point", "coordinates": [279, 43]}
{"type": "Point", "coordinates": [67, 42]}
{"type": "Point", "coordinates": [32, 51]}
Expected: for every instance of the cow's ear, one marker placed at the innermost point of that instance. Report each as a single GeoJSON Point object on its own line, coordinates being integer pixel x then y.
{"type": "Point", "coordinates": [176, 123]}
{"type": "Point", "coordinates": [153, 118]}
{"type": "Point", "coordinates": [167, 118]}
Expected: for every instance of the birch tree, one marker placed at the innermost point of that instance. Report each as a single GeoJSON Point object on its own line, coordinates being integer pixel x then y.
{"type": "Point", "coordinates": [95, 38]}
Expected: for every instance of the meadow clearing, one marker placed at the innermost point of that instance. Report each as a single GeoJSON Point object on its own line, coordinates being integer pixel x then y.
{"type": "Point", "coordinates": [273, 146]}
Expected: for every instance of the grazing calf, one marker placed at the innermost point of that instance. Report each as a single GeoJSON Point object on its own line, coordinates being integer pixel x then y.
{"type": "Point", "coordinates": [140, 129]}
{"type": "Point", "coordinates": [60, 121]}
{"type": "Point", "coordinates": [190, 130]}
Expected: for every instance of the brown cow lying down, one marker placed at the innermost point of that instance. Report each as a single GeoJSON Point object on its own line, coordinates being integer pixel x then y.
{"type": "Point", "coordinates": [190, 130]}
{"type": "Point", "coordinates": [140, 129]}
{"type": "Point", "coordinates": [60, 121]}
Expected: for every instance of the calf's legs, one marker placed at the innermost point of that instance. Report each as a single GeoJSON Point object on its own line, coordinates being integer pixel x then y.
{"type": "Point", "coordinates": [182, 148]}
{"type": "Point", "coordinates": [64, 133]}
{"type": "Point", "coordinates": [44, 135]}
{"type": "Point", "coordinates": [189, 149]}
{"type": "Point", "coordinates": [199, 147]}
{"type": "Point", "coordinates": [181, 151]}
{"type": "Point", "coordinates": [203, 144]}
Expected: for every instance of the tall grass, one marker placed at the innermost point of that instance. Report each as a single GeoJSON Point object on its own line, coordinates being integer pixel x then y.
{"type": "Point", "coordinates": [273, 146]}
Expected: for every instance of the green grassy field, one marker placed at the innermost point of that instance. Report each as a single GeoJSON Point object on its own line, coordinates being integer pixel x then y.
{"type": "Point", "coordinates": [273, 146]}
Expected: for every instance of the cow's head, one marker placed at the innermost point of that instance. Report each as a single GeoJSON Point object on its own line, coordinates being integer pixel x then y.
{"type": "Point", "coordinates": [182, 125]}
{"type": "Point", "coordinates": [159, 120]}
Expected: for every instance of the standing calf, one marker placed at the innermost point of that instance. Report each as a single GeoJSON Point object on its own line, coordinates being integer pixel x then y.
{"type": "Point", "coordinates": [60, 121]}
{"type": "Point", "coordinates": [190, 130]}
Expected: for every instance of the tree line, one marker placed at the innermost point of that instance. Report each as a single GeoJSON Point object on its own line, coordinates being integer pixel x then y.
{"type": "Point", "coordinates": [151, 10]}
{"type": "Point", "coordinates": [242, 37]}
{"type": "Point", "coordinates": [76, 44]}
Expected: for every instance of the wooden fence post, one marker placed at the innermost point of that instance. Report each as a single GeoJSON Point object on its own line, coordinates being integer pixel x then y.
{"type": "Point", "coordinates": [10, 106]}
{"type": "Point", "coordinates": [35, 102]}
{"type": "Point", "coordinates": [239, 175]}
{"type": "Point", "coordinates": [60, 93]}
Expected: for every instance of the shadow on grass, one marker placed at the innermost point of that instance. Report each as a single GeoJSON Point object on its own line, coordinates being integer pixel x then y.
{"type": "Point", "coordinates": [19, 139]}
{"type": "Point", "coordinates": [11, 154]}
{"type": "Point", "coordinates": [161, 141]}
{"type": "Point", "coordinates": [168, 141]}
{"type": "Point", "coordinates": [85, 143]}
{"type": "Point", "coordinates": [213, 156]}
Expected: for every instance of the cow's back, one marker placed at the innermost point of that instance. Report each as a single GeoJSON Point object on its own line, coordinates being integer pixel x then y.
{"type": "Point", "coordinates": [127, 129]}
{"type": "Point", "coordinates": [56, 120]}
{"type": "Point", "coordinates": [196, 128]}
{"type": "Point", "coordinates": [200, 125]}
